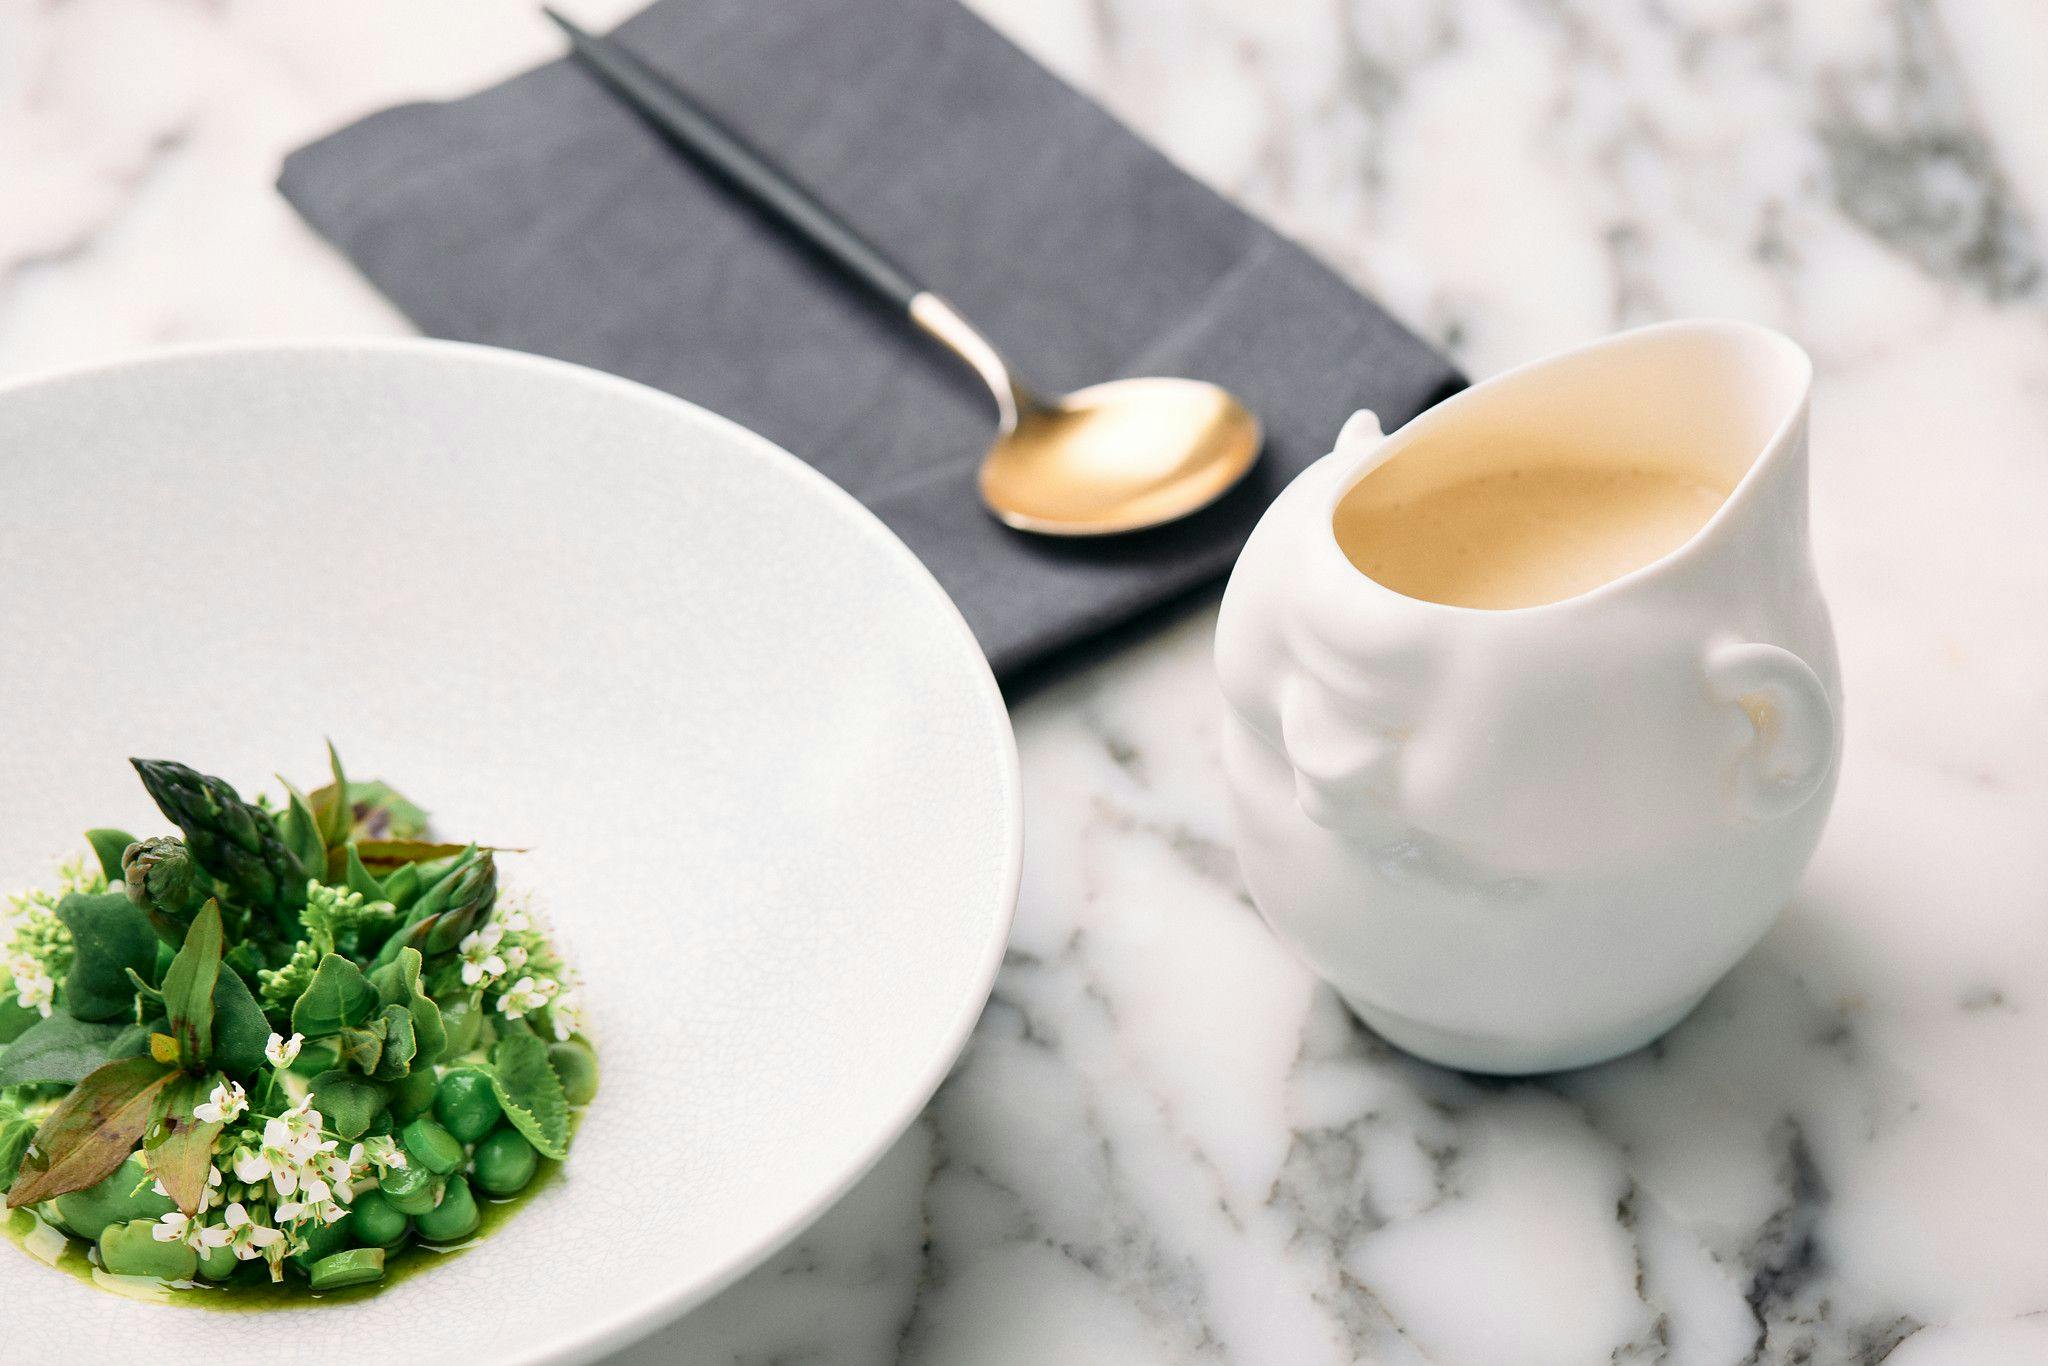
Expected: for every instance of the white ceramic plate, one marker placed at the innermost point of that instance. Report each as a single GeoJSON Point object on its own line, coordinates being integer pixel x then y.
{"type": "Point", "coordinates": [768, 783]}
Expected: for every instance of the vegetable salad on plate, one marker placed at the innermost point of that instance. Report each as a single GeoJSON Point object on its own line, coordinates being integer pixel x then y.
{"type": "Point", "coordinates": [291, 1045]}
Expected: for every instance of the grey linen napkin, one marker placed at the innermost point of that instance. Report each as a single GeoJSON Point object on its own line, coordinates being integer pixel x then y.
{"type": "Point", "coordinates": [541, 215]}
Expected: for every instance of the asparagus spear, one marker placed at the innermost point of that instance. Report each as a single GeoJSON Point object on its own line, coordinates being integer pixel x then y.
{"type": "Point", "coordinates": [226, 836]}
{"type": "Point", "coordinates": [457, 904]}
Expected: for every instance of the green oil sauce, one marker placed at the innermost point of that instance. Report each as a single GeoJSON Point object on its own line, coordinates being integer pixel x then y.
{"type": "Point", "coordinates": [251, 1288]}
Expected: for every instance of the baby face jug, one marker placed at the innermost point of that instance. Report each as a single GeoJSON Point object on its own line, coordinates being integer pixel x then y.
{"type": "Point", "coordinates": [1528, 838]}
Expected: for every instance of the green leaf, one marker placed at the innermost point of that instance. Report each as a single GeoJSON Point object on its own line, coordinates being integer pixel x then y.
{"type": "Point", "coordinates": [363, 1048]}
{"type": "Point", "coordinates": [58, 1049]}
{"type": "Point", "coordinates": [348, 1101]}
{"type": "Point", "coordinates": [143, 990]}
{"type": "Point", "coordinates": [239, 1027]}
{"type": "Point", "coordinates": [398, 984]}
{"type": "Point", "coordinates": [375, 810]}
{"type": "Point", "coordinates": [16, 1133]}
{"type": "Point", "coordinates": [108, 846]}
{"type": "Point", "coordinates": [133, 1040]}
{"type": "Point", "coordinates": [337, 816]}
{"type": "Point", "coordinates": [401, 1045]}
{"type": "Point", "coordinates": [109, 936]}
{"type": "Point", "coordinates": [338, 998]}
{"type": "Point", "coordinates": [360, 879]}
{"type": "Point", "coordinates": [91, 1132]}
{"type": "Point", "coordinates": [531, 1093]}
{"type": "Point", "coordinates": [301, 831]}
{"type": "Point", "coordinates": [189, 984]}
{"type": "Point", "coordinates": [181, 1149]}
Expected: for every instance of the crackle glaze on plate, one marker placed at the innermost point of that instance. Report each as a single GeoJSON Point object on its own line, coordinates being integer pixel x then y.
{"type": "Point", "coordinates": [766, 778]}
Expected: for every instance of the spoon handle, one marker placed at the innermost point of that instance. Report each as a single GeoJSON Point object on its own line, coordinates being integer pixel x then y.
{"type": "Point", "coordinates": [693, 130]}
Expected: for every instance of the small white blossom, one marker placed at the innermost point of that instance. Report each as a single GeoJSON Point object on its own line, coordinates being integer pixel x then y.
{"type": "Point", "coordinates": [567, 1014]}
{"type": "Point", "coordinates": [34, 989]}
{"type": "Point", "coordinates": [384, 1154]}
{"type": "Point", "coordinates": [252, 1165]}
{"type": "Point", "coordinates": [182, 1228]}
{"type": "Point", "coordinates": [246, 1237]}
{"type": "Point", "coordinates": [481, 962]}
{"type": "Point", "coordinates": [226, 1105]}
{"type": "Point", "coordinates": [283, 1052]}
{"type": "Point", "coordinates": [513, 920]}
{"type": "Point", "coordinates": [526, 995]}
{"type": "Point", "coordinates": [297, 1131]}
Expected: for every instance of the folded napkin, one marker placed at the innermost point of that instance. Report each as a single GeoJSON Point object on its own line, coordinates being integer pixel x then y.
{"type": "Point", "coordinates": [541, 215]}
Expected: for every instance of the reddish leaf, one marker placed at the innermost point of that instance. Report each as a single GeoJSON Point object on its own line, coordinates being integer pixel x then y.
{"type": "Point", "coordinates": [385, 854]}
{"type": "Point", "coordinates": [183, 1158]}
{"type": "Point", "coordinates": [92, 1131]}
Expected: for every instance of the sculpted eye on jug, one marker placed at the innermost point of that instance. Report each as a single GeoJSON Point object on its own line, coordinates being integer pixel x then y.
{"type": "Point", "coordinates": [1533, 705]}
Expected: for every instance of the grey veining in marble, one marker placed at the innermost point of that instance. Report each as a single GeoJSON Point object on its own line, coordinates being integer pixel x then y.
{"type": "Point", "coordinates": [1165, 1143]}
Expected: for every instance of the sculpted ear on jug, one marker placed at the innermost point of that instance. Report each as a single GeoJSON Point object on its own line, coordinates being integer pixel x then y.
{"type": "Point", "coordinates": [1526, 812]}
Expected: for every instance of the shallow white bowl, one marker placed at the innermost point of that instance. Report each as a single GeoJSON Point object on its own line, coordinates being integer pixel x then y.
{"type": "Point", "coordinates": [768, 783]}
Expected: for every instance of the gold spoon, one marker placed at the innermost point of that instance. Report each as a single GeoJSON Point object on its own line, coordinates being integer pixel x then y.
{"type": "Point", "coordinates": [1112, 457]}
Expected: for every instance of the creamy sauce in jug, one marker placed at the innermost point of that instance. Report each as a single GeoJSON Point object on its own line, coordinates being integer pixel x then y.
{"type": "Point", "coordinates": [1523, 536]}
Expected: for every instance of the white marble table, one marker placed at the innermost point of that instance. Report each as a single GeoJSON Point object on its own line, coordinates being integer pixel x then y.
{"type": "Point", "coordinates": [1165, 1143]}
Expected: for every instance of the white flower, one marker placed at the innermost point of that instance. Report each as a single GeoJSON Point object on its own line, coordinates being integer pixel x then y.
{"type": "Point", "coordinates": [526, 995]}
{"type": "Point", "coordinates": [174, 1227]}
{"type": "Point", "coordinates": [567, 1014]}
{"type": "Point", "coordinates": [342, 1171]}
{"type": "Point", "coordinates": [481, 962]}
{"type": "Point", "coordinates": [384, 1154]}
{"type": "Point", "coordinates": [224, 1106]}
{"type": "Point", "coordinates": [515, 957]}
{"type": "Point", "coordinates": [181, 1228]}
{"type": "Point", "coordinates": [246, 1237]}
{"type": "Point", "coordinates": [512, 920]}
{"type": "Point", "coordinates": [208, 1200]}
{"type": "Point", "coordinates": [34, 989]}
{"type": "Point", "coordinates": [281, 1051]}
{"type": "Point", "coordinates": [297, 1131]}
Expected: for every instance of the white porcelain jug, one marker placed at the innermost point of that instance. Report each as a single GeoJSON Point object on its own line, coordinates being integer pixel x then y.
{"type": "Point", "coordinates": [1527, 839]}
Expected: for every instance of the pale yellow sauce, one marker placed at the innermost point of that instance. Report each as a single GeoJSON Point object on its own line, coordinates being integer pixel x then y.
{"type": "Point", "coordinates": [1524, 536]}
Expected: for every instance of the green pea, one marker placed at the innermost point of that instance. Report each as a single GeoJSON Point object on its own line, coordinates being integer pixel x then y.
{"type": "Point", "coordinates": [455, 1218]}
{"type": "Point", "coordinates": [129, 1193]}
{"type": "Point", "coordinates": [576, 1065]}
{"type": "Point", "coordinates": [466, 1105]}
{"type": "Point", "coordinates": [432, 1146]}
{"type": "Point", "coordinates": [505, 1162]}
{"type": "Point", "coordinates": [322, 1240]}
{"type": "Point", "coordinates": [411, 1190]}
{"type": "Point", "coordinates": [218, 1263]}
{"type": "Point", "coordinates": [131, 1249]}
{"type": "Point", "coordinates": [358, 1266]}
{"type": "Point", "coordinates": [376, 1221]}
{"type": "Point", "coordinates": [413, 1096]}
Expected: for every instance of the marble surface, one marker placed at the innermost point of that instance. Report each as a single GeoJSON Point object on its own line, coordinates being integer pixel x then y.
{"type": "Point", "coordinates": [1165, 1143]}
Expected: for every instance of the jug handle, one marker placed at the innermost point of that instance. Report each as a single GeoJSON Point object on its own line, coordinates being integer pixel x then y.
{"type": "Point", "coordinates": [1791, 723]}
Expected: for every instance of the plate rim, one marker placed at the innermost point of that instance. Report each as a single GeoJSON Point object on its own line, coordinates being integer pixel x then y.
{"type": "Point", "coordinates": [587, 1343]}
